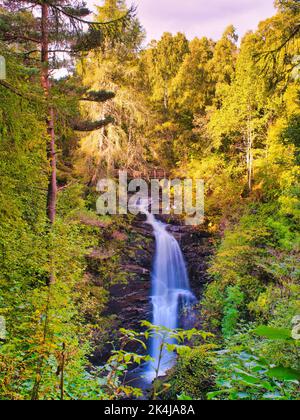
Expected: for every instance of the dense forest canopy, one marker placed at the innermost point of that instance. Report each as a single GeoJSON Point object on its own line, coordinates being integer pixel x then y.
{"type": "Point", "coordinates": [226, 111]}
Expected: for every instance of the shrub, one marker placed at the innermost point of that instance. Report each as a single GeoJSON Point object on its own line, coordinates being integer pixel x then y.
{"type": "Point", "coordinates": [233, 302]}
{"type": "Point", "coordinates": [193, 374]}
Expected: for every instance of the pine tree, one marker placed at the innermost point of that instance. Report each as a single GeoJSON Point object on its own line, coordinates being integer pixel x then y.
{"type": "Point", "coordinates": [41, 30]}
{"type": "Point", "coordinates": [49, 28]}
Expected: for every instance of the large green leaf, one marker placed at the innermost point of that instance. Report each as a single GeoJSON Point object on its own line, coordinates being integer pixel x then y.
{"type": "Point", "coordinates": [273, 333]}
{"type": "Point", "coordinates": [283, 373]}
{"type": "Point", "coordinates": [184, 397]}
{"type": "Point", "coordinates": [249, 379]}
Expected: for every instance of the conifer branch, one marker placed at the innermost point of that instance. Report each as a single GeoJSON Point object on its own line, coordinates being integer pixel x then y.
{"type": "Point", "coordinates": [88, 126]}
{"type": "Point", "coordinates": [64, 11]}
{"type": "Point", "coordinates": [100, 96]}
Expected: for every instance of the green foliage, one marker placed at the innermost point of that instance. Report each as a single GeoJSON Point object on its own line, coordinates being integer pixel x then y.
{"type": "Point", "coordinates": [193, 374]}
{"type": "Point", "coordinates": [163, 60]}
{"type": "Point", "coordinates": [273, 333]}
{"type": "Point", "coordinates": [120, 144]}
{"type": "Point", "coordinates": [49, 329]}
{"type": "Point", "coordinates": [190, 87]}
{"type": "Point", "coordinates": [256, 266]}
{"type": "Point", "coordinates": [292, 5]}
{"type": "Point", "coordinates": [200, 108]}
{"type": "Point", "coordinates": [243, 374]}
{"type": "Point", "coordinates": [258, 256]}
{"type": "Point", "coordinates": [132, 34]}
{"type": "Point", "coordinates": [184, 397]}
{"type": "Point", "coordinates": [234, 300]}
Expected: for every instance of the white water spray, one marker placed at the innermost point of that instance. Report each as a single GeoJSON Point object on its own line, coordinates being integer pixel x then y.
{"type": "Point", "coordinates": [170, 292]}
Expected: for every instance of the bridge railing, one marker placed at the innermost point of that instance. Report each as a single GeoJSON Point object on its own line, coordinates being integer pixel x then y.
{"type": "Point", "coordinates": [149, 174]}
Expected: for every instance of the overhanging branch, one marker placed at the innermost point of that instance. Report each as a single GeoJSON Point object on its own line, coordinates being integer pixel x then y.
{"type": "Point", "coordinates": [112, 22]}
{"type": "Point", "coordinates": [88, 126]}
{"type": "Point", "coordinates": [100, 96]}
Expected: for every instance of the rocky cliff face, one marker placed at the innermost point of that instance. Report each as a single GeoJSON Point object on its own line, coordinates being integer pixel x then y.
{"type": "Point", "coordinates": [130, 301]}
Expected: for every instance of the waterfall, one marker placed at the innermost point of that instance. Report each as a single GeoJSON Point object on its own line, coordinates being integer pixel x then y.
{"type": "Point", "coordinates": [171, 293]}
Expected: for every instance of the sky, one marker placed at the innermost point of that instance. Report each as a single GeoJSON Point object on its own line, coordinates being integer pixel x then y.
{"type": "Point", "coordinates": [199, 17]}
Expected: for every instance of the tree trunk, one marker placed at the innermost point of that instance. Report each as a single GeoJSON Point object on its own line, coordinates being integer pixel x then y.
{"type": "Point", "coordinates": [249, 155]}
{"type": "Point", "coordinates": [51, 152]}
{"type": "Point", "coordinates": [52, 184]}
{"type": "Point", "coordinates": [62, 372]}
{"type": "Point", "coordinates": [166, 96]}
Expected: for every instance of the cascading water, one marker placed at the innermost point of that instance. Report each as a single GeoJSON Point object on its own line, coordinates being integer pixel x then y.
{"type": "Point", "coordinates": [171, 293]}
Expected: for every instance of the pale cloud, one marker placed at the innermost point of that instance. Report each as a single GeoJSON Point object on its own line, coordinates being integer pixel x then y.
{"type": "Point", "coordinates": [199, 17]}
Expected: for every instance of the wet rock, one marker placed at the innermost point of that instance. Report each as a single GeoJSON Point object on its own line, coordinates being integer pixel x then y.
{"type": "Point", "coordinates": [197, 247]}
{"type": "Point", "coordinates": [129, 303]}
{"type": "Point", "coordinates": [130, 268]}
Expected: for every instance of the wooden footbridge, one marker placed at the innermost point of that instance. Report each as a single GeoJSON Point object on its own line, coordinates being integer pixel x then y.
{"type": "Point", "coordinates": [156, 173]}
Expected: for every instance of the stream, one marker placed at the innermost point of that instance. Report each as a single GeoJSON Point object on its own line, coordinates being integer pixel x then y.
{"type": "Point", "coordinates": [163, 260]}
{"type": "Point", "coordinates": [171, 296]}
